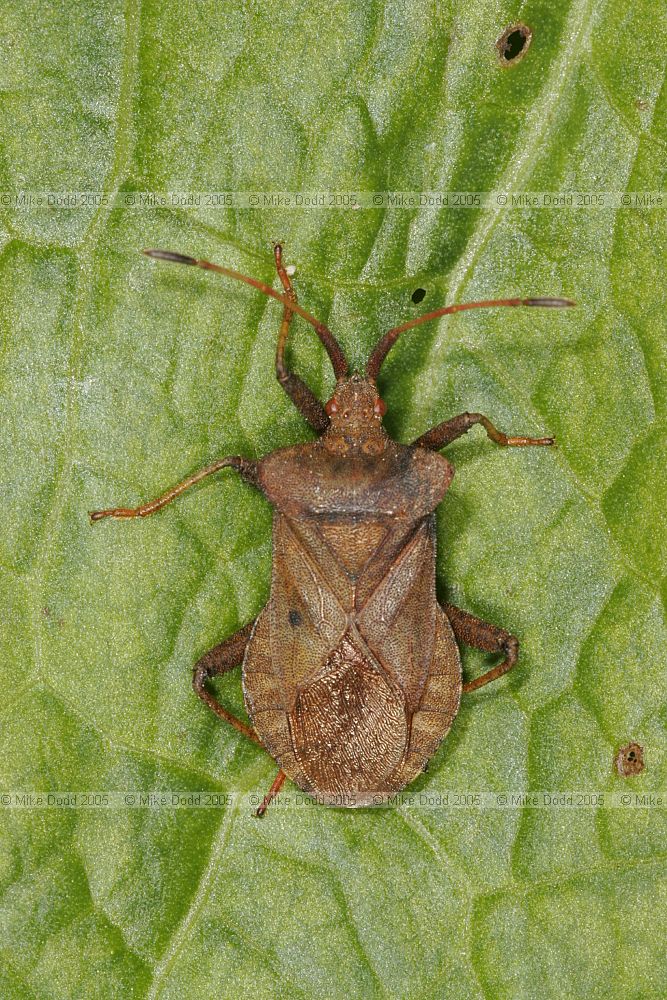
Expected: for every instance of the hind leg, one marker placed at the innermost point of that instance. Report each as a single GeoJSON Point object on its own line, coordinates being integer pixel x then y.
{"type": "Point", "coordinates": [278, 783]}
{"type": "Point", "coordinates": [481, 635]}
{"type": "Point", "coordinates": [219, 660]}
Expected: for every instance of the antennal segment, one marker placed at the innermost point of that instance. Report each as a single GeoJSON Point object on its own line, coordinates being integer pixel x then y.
{"type": "Point", "coordinates": [385, 344]}
{"type": "Point", "coordinates": [327, 338]}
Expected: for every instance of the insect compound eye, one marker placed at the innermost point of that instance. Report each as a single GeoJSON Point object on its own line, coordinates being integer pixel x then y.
{"type": "Point", "coordinates": [380, 407]}
{"type": "Point", "coordinates": [331, 406]}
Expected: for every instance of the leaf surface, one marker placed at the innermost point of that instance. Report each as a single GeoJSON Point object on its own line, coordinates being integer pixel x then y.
{"type": "Point", "coordinates": [121, 376]}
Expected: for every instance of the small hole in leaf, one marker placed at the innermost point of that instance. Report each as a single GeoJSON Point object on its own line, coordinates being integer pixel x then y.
{"type": "Point", "coordinates": [418, 295]}
{"type": "Point", "coordinates": [514, 43]}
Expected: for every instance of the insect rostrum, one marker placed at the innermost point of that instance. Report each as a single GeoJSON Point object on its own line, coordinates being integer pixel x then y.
{"type": "Point", "coordinates": [351, 674]}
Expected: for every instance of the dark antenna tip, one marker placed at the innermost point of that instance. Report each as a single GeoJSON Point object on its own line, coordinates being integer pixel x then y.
{"type": "Point", "coordinates": [175, 258]}
{"type": "Point", "coordinates": [550, 303]}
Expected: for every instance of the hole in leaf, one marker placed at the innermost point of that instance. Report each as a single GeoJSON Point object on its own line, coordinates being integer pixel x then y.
{"type": "Point", "coordinates": [418, 295]}
{"type": "Point", "coordinates": [630, 760]}
{"type": "Point", "coordinates": [514, 43]}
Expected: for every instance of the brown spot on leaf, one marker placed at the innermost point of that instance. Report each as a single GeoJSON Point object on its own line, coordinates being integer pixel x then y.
{"type": "Point", "coordinates": [630, 760]}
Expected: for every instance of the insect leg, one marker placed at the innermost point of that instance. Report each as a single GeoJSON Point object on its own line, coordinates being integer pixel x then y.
{"type": "Point", "coordinates": [482, 635]}
{"type": "Point", "coordinates": [246, 468]}
{"type": "Point", "coordinates": [303, 398]}
{"type": "Point", "coordinates": [278, 783]}
{"type": "Point", "coordinates": [449, 430]}
{"type": "Point", "coordinates": [219, 660]}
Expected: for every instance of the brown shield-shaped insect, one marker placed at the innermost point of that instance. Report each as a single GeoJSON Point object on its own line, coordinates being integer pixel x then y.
{"type": "Point", "coordinates": [351, 674]}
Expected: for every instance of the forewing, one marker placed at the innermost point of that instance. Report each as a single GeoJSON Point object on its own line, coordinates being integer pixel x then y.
{"type": "Point", "coordinates": [307, 620]}
{"type": "Point", "coordinates": [397, 620]}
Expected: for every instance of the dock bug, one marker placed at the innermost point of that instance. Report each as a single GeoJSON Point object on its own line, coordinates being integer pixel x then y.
{"type": "Point", "coordinates": [351, 674]}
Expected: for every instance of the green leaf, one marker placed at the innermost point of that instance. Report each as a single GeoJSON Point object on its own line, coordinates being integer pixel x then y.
{"type": "Point", "coordinates": [121, 376]}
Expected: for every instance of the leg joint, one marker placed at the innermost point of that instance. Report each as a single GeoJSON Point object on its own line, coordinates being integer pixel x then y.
{"type": "Point", "coordinates": [510, 648]}
{"type": "Point", "coordinates": [200, 674]}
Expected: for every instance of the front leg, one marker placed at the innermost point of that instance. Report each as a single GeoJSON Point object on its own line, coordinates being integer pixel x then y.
{"type": "Point", "coordinates": [482, 635]}
{"type": "Point", "coordinates": [449, 430]}
{"type": "Point", "coordinates": [246, 468]}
